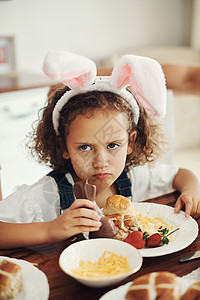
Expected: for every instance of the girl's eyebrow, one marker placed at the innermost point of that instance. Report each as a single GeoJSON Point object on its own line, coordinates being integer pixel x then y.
{"type": "Point", "coordinates": [117, 140]}
{"type": "Point", "coordinates": [82, 143]}
{"type": "Point", "coordinates": [92, 143]}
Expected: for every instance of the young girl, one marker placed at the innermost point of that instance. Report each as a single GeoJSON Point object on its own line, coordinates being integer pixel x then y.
{"type": "Point", "coordinates": [95, 130]}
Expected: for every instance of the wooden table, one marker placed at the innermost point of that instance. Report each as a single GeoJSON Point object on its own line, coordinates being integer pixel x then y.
{"type": "Point", "coordinates": [64, 287]}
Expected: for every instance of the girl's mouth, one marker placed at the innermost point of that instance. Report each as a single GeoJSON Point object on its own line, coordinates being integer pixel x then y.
{"type": "Point", "coordinates": [101, 176]}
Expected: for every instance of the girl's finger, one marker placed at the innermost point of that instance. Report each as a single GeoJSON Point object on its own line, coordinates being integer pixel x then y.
{"type": "Point", "coordinates": [82, 203]}
{"type": "Point", "coordinates": [184, 200]}
{"type": "Point", "coordinates": [187, 200]}
{"type": "Point", "coordinates": [194, 210]}
{"type": "Point", "coordinates": [178, 205]}
{"type": "Point", "coordinates": [81, 212]}
{"type": "Point", "coordinates": [197, 212]}
{"type": "Point", "coordinates": [87, 213]}
{"type": "Point", "coordinates": [81, 229]}
{"type": "Point", "coordinates": [86, 222]}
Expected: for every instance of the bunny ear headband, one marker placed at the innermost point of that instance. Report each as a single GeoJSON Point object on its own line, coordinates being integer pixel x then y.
{"type": "Point", "coordinates": [144, 76]}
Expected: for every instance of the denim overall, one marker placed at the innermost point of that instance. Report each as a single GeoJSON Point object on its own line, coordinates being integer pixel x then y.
{"type": "Point", "coordinates": [66, 189]}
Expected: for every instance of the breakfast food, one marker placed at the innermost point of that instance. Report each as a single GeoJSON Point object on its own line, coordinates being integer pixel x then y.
{"type": "Point", "coordinates": [10, 279]}
{"type": "Point", "coordinates": [109, 264]}
{"type": "Point", "coordinates": [153, 240]}
{"type": "Point", "coordinates": [84, 190]}
{"type": "Point", "coordinates": [122, 212]}
{"type": "Point", "coordinates": [136, 239]}
{"type": "Point", "coordinates": [155, 285]}
{"type": "Point", "coordinates": [159, 238]}
{"type": "Point", "coordinates": [140, 239]}
{"type": "Point", "coordinates": [193, 292]}
{"type": "Point", "coordinates": [153, 223]}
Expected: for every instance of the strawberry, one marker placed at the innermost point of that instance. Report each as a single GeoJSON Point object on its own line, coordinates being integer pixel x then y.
{"type": "Point", "coordinates": [154, 240]}
{"type": "Point", "coordinates": [136, 239]}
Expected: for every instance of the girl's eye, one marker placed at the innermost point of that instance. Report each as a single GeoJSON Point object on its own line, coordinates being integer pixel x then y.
{"type": "Point", "coordinates": [113, 146]}
{"type": "Point", "coordinates": [85, 148]}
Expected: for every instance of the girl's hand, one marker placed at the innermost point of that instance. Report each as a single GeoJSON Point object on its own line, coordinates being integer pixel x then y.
{"type": "Point", "coordinates": [191, 202]}
{"type": "Point", "coordinates": [79, 217]}
{"type": "Point", "coordinates": [188, 185]}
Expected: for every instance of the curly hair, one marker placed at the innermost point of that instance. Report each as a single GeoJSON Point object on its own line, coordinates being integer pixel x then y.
{"type": "Point", "coordinates": [48, 148]}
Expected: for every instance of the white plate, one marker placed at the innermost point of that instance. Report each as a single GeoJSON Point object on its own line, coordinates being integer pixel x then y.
{"type": "Point", "coordinates": [120, 292]}
{"type": "Point", "coordinates": [35, 283]}
{"type": "Point", "coordinates": [187, 233]}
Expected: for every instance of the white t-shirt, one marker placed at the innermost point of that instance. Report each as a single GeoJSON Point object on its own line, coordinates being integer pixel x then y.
{"type": "Point", "coordinates": [41, 202]}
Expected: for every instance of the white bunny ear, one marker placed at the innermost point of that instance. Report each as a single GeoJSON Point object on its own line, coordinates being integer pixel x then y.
{"type": "Point", "coordinates": [147, 81]}
{"type": "Point", "coordinates": [71, 69]}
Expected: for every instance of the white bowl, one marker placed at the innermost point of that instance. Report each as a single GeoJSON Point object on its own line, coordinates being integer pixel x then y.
{"type": "Point", "coordinates": [92, 250]}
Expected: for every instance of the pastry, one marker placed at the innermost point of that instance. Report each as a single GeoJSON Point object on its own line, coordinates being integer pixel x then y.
{"type": "Point", "coordinates": [122, 212]}
{"type": "Point", "coordinates": [10, 279]}
{"type": "Point", "coordinates": [154, 286]}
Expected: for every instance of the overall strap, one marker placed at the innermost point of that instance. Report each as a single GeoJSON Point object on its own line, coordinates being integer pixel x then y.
{"type": "Point", "coordinates": [124, 185]}
{"type": "Point", "coordinates": [65, 189]}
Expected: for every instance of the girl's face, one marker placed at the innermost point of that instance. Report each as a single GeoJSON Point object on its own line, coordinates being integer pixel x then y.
{"type": "Point", "coordinates": [97, 145]}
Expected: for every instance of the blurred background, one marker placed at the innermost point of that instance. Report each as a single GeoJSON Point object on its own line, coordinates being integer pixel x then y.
{"type": "Point", "coordinates": [96, 28]}
{"type": "Point", "coordinates": [103, 30]}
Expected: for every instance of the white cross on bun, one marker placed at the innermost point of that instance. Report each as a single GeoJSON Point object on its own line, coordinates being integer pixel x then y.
{"type": "Point", "coordinates": [153, 286]}
{"type": "Point", "coordinates": [10, 279]}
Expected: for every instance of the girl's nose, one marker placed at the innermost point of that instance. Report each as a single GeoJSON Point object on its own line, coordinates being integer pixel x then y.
{"type": "Point", "coordinates": [100, 161]}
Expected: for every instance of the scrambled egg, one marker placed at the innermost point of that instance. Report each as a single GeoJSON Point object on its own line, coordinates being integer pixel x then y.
{"type": "Point", "coordinates": [152, 225]}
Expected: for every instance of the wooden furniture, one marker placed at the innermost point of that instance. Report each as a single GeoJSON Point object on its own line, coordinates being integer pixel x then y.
{"type": "Point", "coordinates": [64, 287]}
{"type": "Point", "coordinates": [23, 80]}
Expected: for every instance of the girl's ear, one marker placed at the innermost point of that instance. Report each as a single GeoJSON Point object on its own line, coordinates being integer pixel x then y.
{"type": "Point", "coordinates": [65, 155]}
{"type": "Point", "coordinates": [132, 138]}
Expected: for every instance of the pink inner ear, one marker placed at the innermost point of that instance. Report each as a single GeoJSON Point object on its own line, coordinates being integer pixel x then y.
{"type": "Point", "coordinates": [124, 76]}
{"type": "Point", "coordinates": [140, 97]}
{"type": "Point", "coordinates": [78, 82]}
